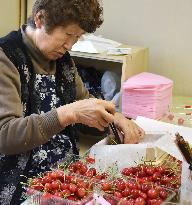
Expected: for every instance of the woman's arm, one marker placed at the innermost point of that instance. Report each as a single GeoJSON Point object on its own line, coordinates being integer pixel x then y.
{"type": "Point", "coordinates": [18, 133]}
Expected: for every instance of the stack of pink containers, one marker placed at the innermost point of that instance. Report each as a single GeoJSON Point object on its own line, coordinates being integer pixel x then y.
{"type": "Point", "coordinates": [146, 94]}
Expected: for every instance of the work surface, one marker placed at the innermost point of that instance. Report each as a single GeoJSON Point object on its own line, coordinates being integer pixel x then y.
{"type": "Point", "coordinates": [177, 110]}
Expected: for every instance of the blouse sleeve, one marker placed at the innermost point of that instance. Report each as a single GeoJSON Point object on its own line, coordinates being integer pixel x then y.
{"type": "Point", "coordinates": [18, 133]}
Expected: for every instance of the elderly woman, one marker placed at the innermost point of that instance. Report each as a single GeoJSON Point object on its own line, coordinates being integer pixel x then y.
{"type": "Point", "coordinates": [42, 96]}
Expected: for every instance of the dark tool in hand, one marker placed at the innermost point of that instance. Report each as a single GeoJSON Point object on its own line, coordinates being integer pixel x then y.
{"type": "Point", "coordinates": [114, 129]}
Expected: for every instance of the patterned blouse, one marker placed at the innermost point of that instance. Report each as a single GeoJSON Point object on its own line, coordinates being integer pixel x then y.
{"type": "Point", "coordinates": [40, 93]}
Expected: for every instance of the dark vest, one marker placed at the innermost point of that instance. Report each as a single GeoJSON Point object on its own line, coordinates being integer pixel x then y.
{"type": "Point", "coordinates": [15, 50]}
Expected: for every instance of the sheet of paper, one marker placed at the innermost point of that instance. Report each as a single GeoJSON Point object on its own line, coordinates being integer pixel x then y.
{"type": "Point", "coordinates": [94, 44]}
{"type": "Point", "coordinates": [158, 134]}
{"type": "Point", "coordinates": [167, 142]}
{"type": "Point", "coordinates": [154, 125]}
{"type": "Point", "coordinates": [142, 81]}
{"type": "Point", "coordinates": [122, 155]}
{"type": "Point", "coordinates": [100, 39]}
{"type": "Point", "coordinates": [85, 46]}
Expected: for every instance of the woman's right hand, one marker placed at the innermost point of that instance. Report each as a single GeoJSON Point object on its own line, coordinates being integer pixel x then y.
{"type": "Point", "coordinates": [92, 112]}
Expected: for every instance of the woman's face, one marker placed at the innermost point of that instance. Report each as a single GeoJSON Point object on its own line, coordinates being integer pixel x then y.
{"type": "Point", "coordinates": [55, 44]}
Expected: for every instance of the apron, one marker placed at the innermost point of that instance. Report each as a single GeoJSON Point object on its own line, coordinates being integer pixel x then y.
{"type": "Point", "coordinates": [39, 93]}
{"type": "Point", "coordinates": [41, 158]}
{"type": "Point", "coordinates": [55, 149]}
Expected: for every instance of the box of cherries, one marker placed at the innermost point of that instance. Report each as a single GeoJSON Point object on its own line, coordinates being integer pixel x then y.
{"type": "Point", "coordinates": [78, 181]}
{"type": "Point", "coordinates": [70, 182]}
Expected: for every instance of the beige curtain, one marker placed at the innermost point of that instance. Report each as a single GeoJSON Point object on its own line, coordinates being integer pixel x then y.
{"type": "Point", "coordinates": [12, 15]}
{"type": "Point", "coordinates": [29, 7]}
{"type": "Point", "coordinates": [23, 11]}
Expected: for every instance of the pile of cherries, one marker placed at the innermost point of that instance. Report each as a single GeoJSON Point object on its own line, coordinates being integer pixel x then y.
{"type": "Point", "coordinates": [129, 192]}
{"type": "Point", "coordinates": [86, 169]}
{"type": "Point", "coordinates": [73, 183]}
{"type": "Point", "coordinates": [158, 175]}
{"type": "Point", "coordinates": [57, 186]}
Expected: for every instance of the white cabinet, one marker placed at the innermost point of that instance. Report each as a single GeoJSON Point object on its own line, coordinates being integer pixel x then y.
{"type": "Point", "coordinates": [124, 65]}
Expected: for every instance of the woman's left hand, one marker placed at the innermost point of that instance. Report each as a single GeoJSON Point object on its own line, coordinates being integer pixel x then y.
{"type": "Point", "coordinates": [130, 131]}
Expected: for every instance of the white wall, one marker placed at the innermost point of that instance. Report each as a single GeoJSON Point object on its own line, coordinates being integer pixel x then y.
{"type": "Point", "coordinates": [165, 26]}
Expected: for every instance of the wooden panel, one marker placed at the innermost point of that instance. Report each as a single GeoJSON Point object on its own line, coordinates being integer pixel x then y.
{"type": "Point", "coordinates": [9, 15]}
{"type": "Point", "coordinates": [23, 14]}
{"type": "Point", "coordinates": [29, 7]}
{"type": "Point", "coordinates": [124, 65]}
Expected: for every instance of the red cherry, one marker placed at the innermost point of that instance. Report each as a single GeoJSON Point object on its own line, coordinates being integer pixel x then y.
{"type": "Point", "coordinates": [36, 181]}
{"type": "Point", "coordinates": [130, 202]}
{"type": "Point", "coordinates": [106, 186]}
{"type": "Point", "coordinates": [54, 175]}
{"type": "Point", "coordinates": [72, 188]}
{"type": "Point", "coordinates": [109, 199]}
{"type": "Point", "coordinates": [126, 171]}
{"type": "Point", "coordinates": [78, 172]}
{"type": "Point", "coordinates": [126, 192]}
{"type": "Point", "coordinates": [58, 194]}
{"type": "Point", "coordinates": [132, 185]}
{"type": "Point", "coordinates": [104, 175]}
{"type": "Point", "coordinates": [70, 178]}
{"type": "Point", "coordinates": [140, 201]}
{"type": "Point", "coordinates": [121, 185]}
{"type": "Point", "coordinates": [38, 187]}
{"type": "Point", "coordinates": [93, 170]}
{"type": "Point", "coordinates": [163, 194]}
{"type": "Point", "coordinates": [61, 174]}
{"type": "Point", "coordinates": [170, 116]}
{"type": "Point", "coordinates": [98, 176]}
{"type": "Point", "coordinates": [135, 193]}
{"type": "Point", "coordinates": [150, 171]}
{"type": "Point", "coordinates": [47, 187]}
{"type": "Point", "coordinates": [72, 198]}
{"type": "Point", "coordinates": [152, 193]}
{"type": "Point", "coordinates": [78, 164]}
{"type": "Point", "coordinates": [64, 186]}
{"type": "Point", "coordinates": [90, 160]}
{"type": "Point", "coordinates": [159, 202]}
{"type": "Point", "coordinates": [45, 198]}
{"type": "Point", "coordinates": [81, 192]}
{"type": "Point", "coordinates": [154, 202]}
{"type": "Point", "coordinates": [46, 179]}
{"type": "Point", "coordinates": [181, 121]}
{"type": "Point", "coordinates": [161, 169]}
{"type": "Point", "coordinates": [143, 195]}
{"type": "Point", "coordinates": [55, 184]}
{"type": "Point", "coordinates": [165, 180]}
{"type": "Point", "coordinates": [117, 194]}
{"type": "Point", "coordinates": [72, 168]}
{"type": "Point", "coordinates": [141, 173]}
{"type": "Point", "coordinates": [89, 173]}
{"type": "Point", "coordinates": [156, 176]}
{"type": "Point", "coordinates": [145, 187]}
{"type": "Point", "coordinates": [82, 184]}
{"type": "Point", "coordinates": [66, 193]}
